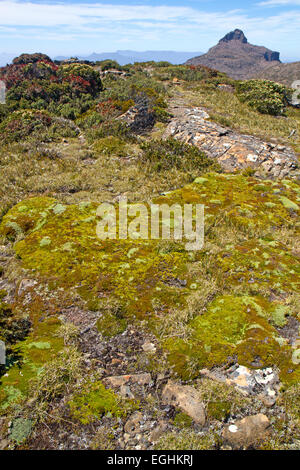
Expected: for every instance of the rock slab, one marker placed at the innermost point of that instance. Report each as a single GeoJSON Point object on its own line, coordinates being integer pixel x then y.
{"type": "Point", "coordinates": [186, 398]}
{"type": "Point", "coordinates": [233, 151]}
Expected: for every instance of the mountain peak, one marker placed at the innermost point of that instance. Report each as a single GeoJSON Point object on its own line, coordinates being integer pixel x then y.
{"type": "Point", "coordinates": [236, 35]}
{"type": "Point", "coordinates": [235, 56]}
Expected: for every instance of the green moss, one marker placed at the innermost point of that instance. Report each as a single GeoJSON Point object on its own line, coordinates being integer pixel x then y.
{"type": "Point", "coordinates": [95, 401]}
{"type": "Point", "coordinates": [111, 146]}
{"type": "Point", "coordinates": [182, 420]}
{"type": "Point", "coordinates": [38, 349]}
{"type": "Point", "coordinates": [219, 410]}
{"type": "Point", "coordinates": [143, 274]}
{"type": "Point", "coordinates": [109, 325]}
{"type": "Point", "coordinates": [232, 325]}
{"type": "Point", "coordinates": [26, 216]}
{"type": "Point", "coordinates": [186, 439]}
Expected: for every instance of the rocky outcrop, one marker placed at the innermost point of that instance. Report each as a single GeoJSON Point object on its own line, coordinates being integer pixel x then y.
{"type": "Point", "coordinates": [139, 118]}
{"type": "Point", "coordinates": [236, 35]}
{"type": "Point", "coordinates": [234, 151]}
{"type": "Point", "coordinates": [236, 57]}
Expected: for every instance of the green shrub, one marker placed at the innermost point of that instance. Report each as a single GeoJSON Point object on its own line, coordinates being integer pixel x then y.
{"type": "Point", "coordinates": [109, 64]}
{"type": "Point", "coordinates": [263, 95]}
{"type": "Point", "coordinates": [21, 124]}
{"type": "Point", "coordinates": [161, 114]}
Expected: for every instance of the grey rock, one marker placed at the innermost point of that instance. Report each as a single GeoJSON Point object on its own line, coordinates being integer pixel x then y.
{"type": "Point", "coordinates": [232, 150]}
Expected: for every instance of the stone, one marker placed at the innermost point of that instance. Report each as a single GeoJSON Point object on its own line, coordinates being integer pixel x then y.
{"type": "Point", "coordinates": [139, 118]}
{"type": "Point", "coordinates": [125, 392]}
{"type": "Point", "coordinates": [149, 347]}
{"type": "Point", "coordinates": [187, 399]}
{"type": "Point", "coordinates": [232, 150]}
{"type": "Point", "coordinates": [247, 432]}
{"type": "Point", "coordinates": [263, 383]}
{"type": "Point", "coordinates": [118, 380]}
{"type": "Point", "coordinates": [26, 284]}
{"type": "Point", "coordinates": [4, 444]}
{"type": "Point", "coordinates": [158, 431]}
{"type": "Point", "coordinates": [133, 424]}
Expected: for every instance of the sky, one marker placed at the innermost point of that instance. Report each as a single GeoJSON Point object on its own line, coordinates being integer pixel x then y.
{"type": "Point", "coordinates": [78, 27]}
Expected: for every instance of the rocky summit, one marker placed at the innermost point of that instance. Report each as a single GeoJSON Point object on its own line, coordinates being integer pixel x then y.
{"type": "Point", "coordinates": [235, 56]}
{"type": "Point", "coordinates": [139, 343]}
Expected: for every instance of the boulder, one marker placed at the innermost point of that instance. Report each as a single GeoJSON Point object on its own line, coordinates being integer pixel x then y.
{"type": "Point", "coordinates": [247, 432]}
{"type": "Point", "coordinates": [186, 398]}
{"type": "Point", "coordinates": [139, 118]}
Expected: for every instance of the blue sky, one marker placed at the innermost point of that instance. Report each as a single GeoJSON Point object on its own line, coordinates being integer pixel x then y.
{"type": "Point", "coordinates": [81, 27]}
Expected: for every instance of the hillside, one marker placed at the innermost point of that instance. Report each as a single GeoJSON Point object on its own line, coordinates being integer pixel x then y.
{"type": "Point", "coordinates": [236, 57]}
{"type": "Point", "coordinates": [281, 73]}
{"type": "Point", "coordinates": [142, 343]}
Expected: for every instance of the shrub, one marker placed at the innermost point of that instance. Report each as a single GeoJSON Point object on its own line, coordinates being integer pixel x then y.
{"type": "Point", "coordinates": [21, 124]}
{"type": "Point", "coordinates": [31, 58]}
{"type": "Point", "coordinates": [109, 64]}
{"type": "Point", "coordinates": [37, 83]}
{"type": "Point", "coordinates": [84, 78]}
{"type": "Point", "coordinates": [263, 95]}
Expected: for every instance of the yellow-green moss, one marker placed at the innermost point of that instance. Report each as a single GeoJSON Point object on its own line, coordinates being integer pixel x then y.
{"type": "Point", "coordinates": [60, 245]}
{"type": "Point", "coordinates": [182, 420]}
{"type": "Point", "coordinates": [95, 401]}
{"type": "Point", "coordinates": [109, 325]}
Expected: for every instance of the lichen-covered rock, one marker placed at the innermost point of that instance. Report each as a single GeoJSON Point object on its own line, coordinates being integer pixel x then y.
{"type": "Point", "coordinates": [233, 151]}
{"type": "Point", "coordinates": [139, 118]}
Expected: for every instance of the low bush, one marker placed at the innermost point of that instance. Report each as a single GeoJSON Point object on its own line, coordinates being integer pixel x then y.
{"type": "Point", "coordinates": [264, 96]}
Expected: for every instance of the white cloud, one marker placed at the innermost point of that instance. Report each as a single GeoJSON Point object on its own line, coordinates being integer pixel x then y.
{"type": "Point", "coordinates": [167, 26]}
{"type": "Point", "coordinates": [275, 3]}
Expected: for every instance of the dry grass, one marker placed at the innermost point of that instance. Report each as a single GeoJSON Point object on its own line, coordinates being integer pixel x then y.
{"type": "Point", "coordinates": [73, 177]}
{"type": "Point", "coordinates": [227, 110]}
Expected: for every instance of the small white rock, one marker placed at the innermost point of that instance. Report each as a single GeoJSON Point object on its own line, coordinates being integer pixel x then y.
{"type": "Point", "coordinates": [233, 428]}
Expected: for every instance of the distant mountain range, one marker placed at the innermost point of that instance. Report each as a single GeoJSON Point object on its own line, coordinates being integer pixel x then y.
{"type": "Point", "coordinates": [236, 57]}
{"type": "Point", "coordinates": [129, 57]}
{"type": "Point", "coordinates": [122, 57]}
{"type": "Point", "coordinates": [232, 55]}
